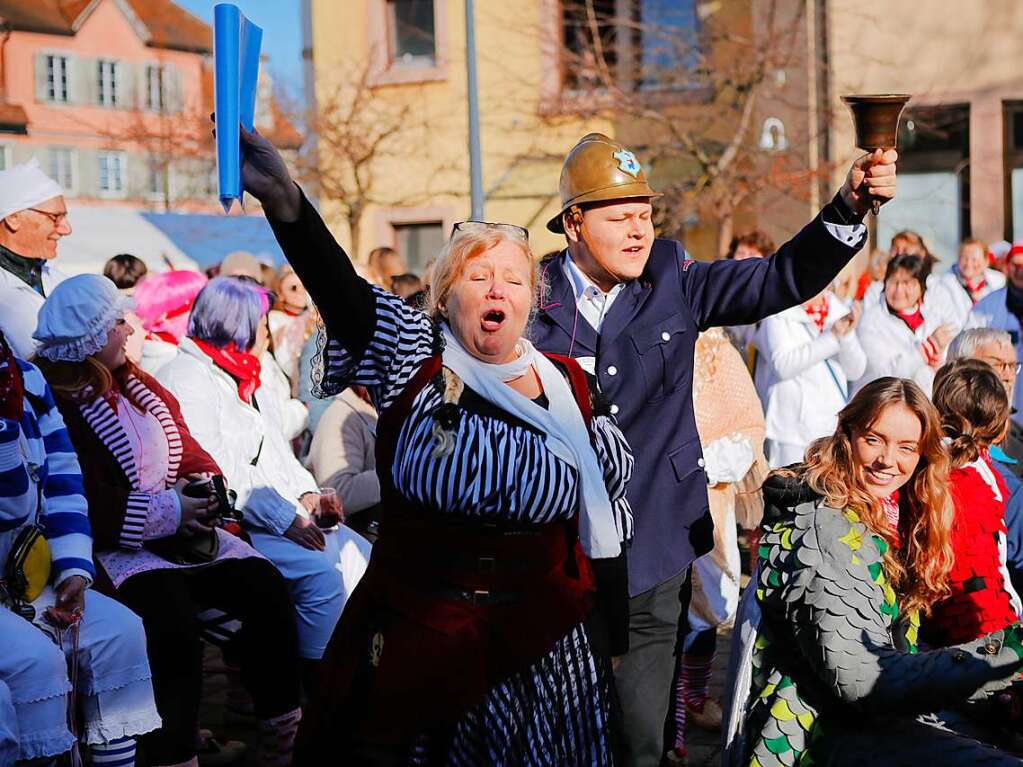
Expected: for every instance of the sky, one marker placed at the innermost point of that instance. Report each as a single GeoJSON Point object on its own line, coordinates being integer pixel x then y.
{"type": "Point", "coordinates": [281, 21]}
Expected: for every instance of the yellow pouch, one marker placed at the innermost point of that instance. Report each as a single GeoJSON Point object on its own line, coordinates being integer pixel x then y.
{"type": "Point", "coordinates": [28, 565]}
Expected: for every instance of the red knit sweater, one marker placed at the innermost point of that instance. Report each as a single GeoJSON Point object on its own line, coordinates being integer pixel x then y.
{"type": "Point", "coordinates": [980, 601]}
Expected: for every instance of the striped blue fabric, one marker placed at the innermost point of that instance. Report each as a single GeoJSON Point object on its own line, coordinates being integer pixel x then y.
{"type": "Point", "coordinates": [565, 724]}
{"type": "Point", "coordinates": [500, 469]}
{"type": "Point", "coordinates": [48, 451]}
{"type": "Point", "coordinates": [117, 753]}
{"type": "Point", "coordinates": [16, 491]}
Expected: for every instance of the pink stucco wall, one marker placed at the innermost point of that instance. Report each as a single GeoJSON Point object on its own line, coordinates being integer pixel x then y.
{"type": "Point", "coordinates": [107, 33]}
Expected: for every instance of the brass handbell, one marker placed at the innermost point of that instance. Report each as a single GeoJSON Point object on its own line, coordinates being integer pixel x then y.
{"type": "Point", "coordinates": [876, 119]}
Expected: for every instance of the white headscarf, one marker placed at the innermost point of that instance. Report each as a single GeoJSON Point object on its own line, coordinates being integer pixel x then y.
{"type": "Point", "coordinates": [563, 425]}
{"type": "Point", "coordinates": [75, 321]}
{"type": "Point", "coordinates": [25, 186]}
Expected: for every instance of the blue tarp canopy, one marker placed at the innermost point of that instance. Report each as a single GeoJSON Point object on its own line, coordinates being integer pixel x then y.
{"type": "Point", "coordinates": [208, 238]}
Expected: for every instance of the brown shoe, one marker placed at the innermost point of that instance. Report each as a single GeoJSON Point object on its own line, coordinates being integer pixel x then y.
{"type": "Point", "coordinates": [706, 718]}
{"type": "Point", "coordinates": [213, 753]}
{"type": "Point", "coordinates": [677, 757]}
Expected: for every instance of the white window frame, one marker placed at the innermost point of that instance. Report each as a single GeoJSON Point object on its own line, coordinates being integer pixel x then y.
{"type": "Point", "coordinates": [412, 62]}
{"type": "Point", "coordinates": [106, 82]}
{"type": "Point", "coordinates": [122, 173]}
{"type": "Point", "coordinates": [157, 196]}
{"type": "Point", "coordinates": [53, 95]}
{"type": "Point", "coordinates": [72, 168]}
{"type": "Point", "coordinates": [156, 75]}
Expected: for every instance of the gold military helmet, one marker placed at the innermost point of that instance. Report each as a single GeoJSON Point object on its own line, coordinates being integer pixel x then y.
{"type": "Point", "coordinates": [599, 169]}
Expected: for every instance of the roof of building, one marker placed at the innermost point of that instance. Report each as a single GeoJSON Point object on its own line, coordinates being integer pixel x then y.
{"type": "Point", "coordinates": [12, 118]}
{"type": "Point", "coordinates": [208, 238]}
{"type": "Point", "coordinates": [165, 25]}
{"type": "Point", "coordinates": [98, 232]}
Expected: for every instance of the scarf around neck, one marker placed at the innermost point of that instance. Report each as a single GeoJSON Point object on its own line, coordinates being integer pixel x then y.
{"type": "Point", "coordinates": [973, 289]}
{"type": "Point", "coordinates": [243, 367]}
{"type": "Point", "coordinates": [28, 270]}
{"type": "Point", "coordinates": [562, 424]}
{"type": "Point", "coordinates": [913, 319]}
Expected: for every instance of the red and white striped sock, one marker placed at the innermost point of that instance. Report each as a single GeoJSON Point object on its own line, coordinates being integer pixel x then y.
{"type": "Point", "coordinates": [277, 739]}
{"type": "Point", "coordinates": [680, 706]}
{"type": "Point", "coordinates": [696, 671]}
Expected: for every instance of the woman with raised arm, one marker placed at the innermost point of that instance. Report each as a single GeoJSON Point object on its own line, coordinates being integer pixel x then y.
{"type": "Point", "coordinates": [856, 546]}
{"type": "Point", "coordinates": [465, 641]}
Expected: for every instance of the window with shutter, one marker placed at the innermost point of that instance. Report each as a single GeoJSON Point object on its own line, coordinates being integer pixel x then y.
{"type": "Point", "coordinates": [62, 166]}
{"type": "Point", "coordinates": [156, 97]}
{"type": "Point", "coordinates": [111, 173]}
{"type": "Point", "coordinates": [158, 179]}
{"type": "Point", "coordinates": [106, 83]}
{"type": "Point", "coordinates": [57, 77]}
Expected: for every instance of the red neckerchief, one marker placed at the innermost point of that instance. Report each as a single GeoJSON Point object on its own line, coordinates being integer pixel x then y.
{"type": "Point", "coordinates": [818, 313]}
{"type": "Point", "coordinates": [974, 288]}
{"type": "Point", "coordinates": [913, 319]}
{"type": "Point", "coordinates": [12, 384]}
{"type": "Point", "coordinates": [241, 366]}
{"type": "Point", "coordinates": [162, 335]}
{"type": "Point", "coordinates": [890, 507]}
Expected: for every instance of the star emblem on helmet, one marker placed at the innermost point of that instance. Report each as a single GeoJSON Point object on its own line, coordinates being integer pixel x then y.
{"type": "Point", "coordinates": [627, 162]}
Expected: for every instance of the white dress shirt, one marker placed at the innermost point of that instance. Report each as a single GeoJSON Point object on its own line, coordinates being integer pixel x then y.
{"type": "Point", "coordinates": [592, 302]}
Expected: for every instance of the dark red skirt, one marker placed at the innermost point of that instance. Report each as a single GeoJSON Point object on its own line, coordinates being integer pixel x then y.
{"type": "Point", "coordinates": [445, 612]}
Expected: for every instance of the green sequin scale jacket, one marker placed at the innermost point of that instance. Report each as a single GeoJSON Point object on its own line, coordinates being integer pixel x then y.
{"type": "Point", "coordinates": [835, 662]}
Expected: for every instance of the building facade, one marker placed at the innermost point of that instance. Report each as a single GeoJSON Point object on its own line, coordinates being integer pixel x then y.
{"type": "Point", "coordinates": [113, 97]}
{"type": "Point", "coordinates": [961, 142]}
{"type": "Point", "coordinates": [108, 97]}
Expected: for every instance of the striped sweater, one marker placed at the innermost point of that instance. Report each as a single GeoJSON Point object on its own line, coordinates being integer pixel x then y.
{"type": "Point", "coordinates": [37, 461]}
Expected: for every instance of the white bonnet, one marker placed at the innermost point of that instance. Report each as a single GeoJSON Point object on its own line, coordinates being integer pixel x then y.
{"type": "Point", "coordinates": [75, 321]}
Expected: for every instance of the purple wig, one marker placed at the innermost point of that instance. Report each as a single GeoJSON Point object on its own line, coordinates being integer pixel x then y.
{"type": "Point", "coordinates": [164, 299]}
{"type": "Point", "coordinates": [228, 311]}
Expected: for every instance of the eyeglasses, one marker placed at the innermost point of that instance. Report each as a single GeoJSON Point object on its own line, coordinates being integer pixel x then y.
{"type": "Point", "coordinates": [513, 230]}
{"type": "Point", "coordinates": [55, 218]}
{"type": "Point", "coordinates": [1004, 367]}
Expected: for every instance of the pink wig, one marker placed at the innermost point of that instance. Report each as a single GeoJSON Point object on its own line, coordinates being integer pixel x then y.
{"type": "Point", "coordinates": [164, 300]}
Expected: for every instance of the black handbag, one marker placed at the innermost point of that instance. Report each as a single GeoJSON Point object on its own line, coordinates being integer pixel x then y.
{"type": "Point", "coordinates": [200, 548]}
{"type": "Point", "coordinates": [181, 549]}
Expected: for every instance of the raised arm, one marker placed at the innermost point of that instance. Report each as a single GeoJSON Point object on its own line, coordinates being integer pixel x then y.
{"type": "Point", "coordinates": [372, 338]}
{"type": "Point", "coordinates": [743, 292]}
{"type": "Point", "coordinates": [722, 293]}
{"type": "Point", "coordinates": [344, 299]}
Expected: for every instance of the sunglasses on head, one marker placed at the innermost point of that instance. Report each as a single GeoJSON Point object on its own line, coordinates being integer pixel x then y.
{"type": "Point", "coordinates": [513, 230]}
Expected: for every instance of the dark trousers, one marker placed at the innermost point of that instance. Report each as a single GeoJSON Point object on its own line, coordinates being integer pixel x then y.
{"type": "Point", "coordinates": [643, 678]}
{"type": "Point", "coordinates": [169, 601]}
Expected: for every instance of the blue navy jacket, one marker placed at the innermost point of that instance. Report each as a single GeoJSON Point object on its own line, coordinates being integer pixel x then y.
{"type": "Point", "coordinates": [1013, 517]}
{"type": "Point", "coordinates": [644, 366]}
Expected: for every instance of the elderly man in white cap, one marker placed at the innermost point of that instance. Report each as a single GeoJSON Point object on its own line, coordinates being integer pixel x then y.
{"type": "Point", "coordinates": [33, 217]}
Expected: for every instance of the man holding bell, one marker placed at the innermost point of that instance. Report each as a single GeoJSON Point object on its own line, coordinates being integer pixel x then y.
{"type": "Point", "coordinates": [629, 306]}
